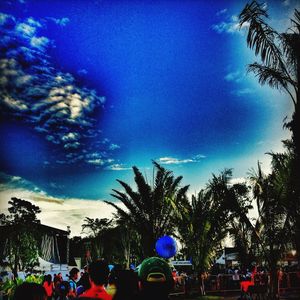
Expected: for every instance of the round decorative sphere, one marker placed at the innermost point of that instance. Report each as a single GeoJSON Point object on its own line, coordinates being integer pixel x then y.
{"type": "Point", "coordinates": [166, 247]}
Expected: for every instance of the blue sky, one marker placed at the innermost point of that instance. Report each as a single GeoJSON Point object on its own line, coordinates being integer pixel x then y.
{"type": "Point", "coordinates": [91, 88]}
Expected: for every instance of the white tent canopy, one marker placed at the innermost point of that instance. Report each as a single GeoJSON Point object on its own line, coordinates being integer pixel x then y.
{"type": "Point", "coordinates": [43, 265]}
{"type": "Point", "coordinates": [221, 259]}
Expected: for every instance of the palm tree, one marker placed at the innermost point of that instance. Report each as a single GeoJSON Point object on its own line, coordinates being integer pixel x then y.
{"type": "Point", "coordinates": [150, 210]}
{"type": "Point", "coordinates": [128, 242]}
{"type": "Point", "coordinates": [98, 230]}
{"type": "Point", "coordinates": [280, 69]}
{"type": "Point", "coordinates": [274, 220]}
{"type": "Point", "coordinates": [201, 228]}
{"type": "Point", "coordinates": [279, 54]}
{"type": "Point", "coordinates": [244, 242]}
{"type": "Point", "coordinates": [205, 222]}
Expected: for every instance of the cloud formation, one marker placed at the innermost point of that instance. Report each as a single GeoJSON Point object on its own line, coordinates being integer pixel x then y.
{"type": "Point", "coordinates": [56, 212]}
{"type": "Point", "coordinates": [230, 24]}
{"type": "Point", "coordinates": [59, 21]}
{"type": "Point", "coordinates": [236, 76]}
{"type": "Point", "coordinates": [221, 12]}
{"type": "Point", "coordinates": [117, 167]}
{"type": "Point", "coordinates": [243, 92]}
{"type": "Point", "coordinates": [176, 161]}
{"type": "Point", "coordinates": [286, 2]}
{"type": "Point", "coordinates": [51, 102]}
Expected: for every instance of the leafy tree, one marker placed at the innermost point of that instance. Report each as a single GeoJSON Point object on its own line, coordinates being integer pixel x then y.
{"type": "Point", "coordinates": [273, 225]}
{"type": "Point", "coordinates": [95, 226]}
{"type": "Point", "coordinates": [98, 229]}
{"type": "Point", "coordinates": [201, 229]}
{"type": "Point", "coordinates": [205, 222]}
{"type": "Point", "coordinates": [127, 240]}
{"type": "Point", "coordinates": [232, 201]}
{"type": "Point", "coordinates": [21, 212]}
{"type": "Point", "coordinates": [151, 210]}
{"type": "Point", "coordinates": [279, 54]}
{"type": "Point", "coordinates": [22, 249]}
{"type": "Point", "coordinates": [280, 69]}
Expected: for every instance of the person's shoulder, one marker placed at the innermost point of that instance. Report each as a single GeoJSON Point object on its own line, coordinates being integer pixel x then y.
{"type": "Point", "coordinates": [95, 294]}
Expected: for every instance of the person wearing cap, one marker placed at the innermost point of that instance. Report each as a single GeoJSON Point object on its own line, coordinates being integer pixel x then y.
{"type": "Point", "coordinates": [155, 279]}
{"type": "Point", "coordinates": [98, 274]}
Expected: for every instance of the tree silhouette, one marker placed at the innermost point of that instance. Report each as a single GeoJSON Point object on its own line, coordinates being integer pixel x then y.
{"type": "Point", "coordinates": [22, 249]}
{"type": "Point", "coordinates": [280, 69]}
{"type": "Point", "coordinates": [151, 210]}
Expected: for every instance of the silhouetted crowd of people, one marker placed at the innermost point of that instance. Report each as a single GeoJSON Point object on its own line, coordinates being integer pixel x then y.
{"type": "Point", "coordinates": [153, 280]}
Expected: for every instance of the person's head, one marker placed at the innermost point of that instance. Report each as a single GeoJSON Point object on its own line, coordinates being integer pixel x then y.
{"type": "Point", "coordinates": [63, 289]}
{"type": "Point", "coordinates": [126, 284]}
{"type": "Point", "coordinates": [48, 278]}
{"type": "Point", "coordinates": [98, 272]}
{"type": "Point", "coordinates": [74, 273]}
{"type": "Point", "coordinates": [30, 291]}
{"type": "Point", "coordinates": [155, 277]}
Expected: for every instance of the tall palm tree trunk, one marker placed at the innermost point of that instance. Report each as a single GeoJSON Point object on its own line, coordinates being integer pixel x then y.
{"type": "Point", "coordinates": [295, 127]}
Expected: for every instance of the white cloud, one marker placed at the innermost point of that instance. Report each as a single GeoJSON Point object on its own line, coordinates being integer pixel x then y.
{"type": "Point", "coordinates": [60, 213]}
{"type": "Point", "coordinates": [61, 105]}
{"type": "Point", "coordinates": [230, 26]}
{"type": "Point", "coordinates": [26, 29]}
{"type": "Point", "coordinates": [176, 161]}
{"type": "Point", "coordinates": [199, 156]}
{"type": "Point", "coordinates": [221, 12]}
{"type": "Point", "coordinates": [4, 18]}
{"type": "Point", "coordinates": [173, 161]}
{"type": "Point", "coordinates": [39, 42]}
{"type": "Point", "coordinates": [242, 92]}
{"type": "Point", "coordinates": [117, 167]}
{"type": "Point", "coordinates": [236, 76]}
{"type": "Point", "coordinates": [62, 21]}
{"type": "Point", "coordinates": [29, 27]}
{"type": "Point", "coordinates": [286, 3]}
{"type": "Point", "coordinates": [114, 147]}
{"type": "Point", "coordinates": [74, 145]}
{"type": "Point", "coordinates": [71, 136]}
{"type": "Point", "coordinates": [15, 104]}
{"type": "Point", "coordinates": [82, 72]}
{"type": "Point", "coordinates": [34, 23]}
{"type": "Point", "coordinates": [97, 162]}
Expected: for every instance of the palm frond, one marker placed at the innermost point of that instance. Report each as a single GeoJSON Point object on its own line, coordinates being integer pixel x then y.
{"type": "Point", "coordinates": [261, 37]}
{"type": "Point", "coordinates": [126, 201]}
{"type": "Point", "coordinates": [296, 20]}
{"type": "Point", "coordinates": [134, 196]}
{"type": "Point", "coordinates": [290, 45]}
{"type": "Point", "coordinates": [274, 77]}
{"type": "Point", "coordinates": [143, 187]}
{"type": "Point", "coordinates": [120, 211]}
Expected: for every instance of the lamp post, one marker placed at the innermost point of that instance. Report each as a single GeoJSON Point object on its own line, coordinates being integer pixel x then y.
{"type": "Point", "coordinates": [68, 244]}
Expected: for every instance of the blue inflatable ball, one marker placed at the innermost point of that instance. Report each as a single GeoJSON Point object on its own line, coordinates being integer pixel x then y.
{"type": "Point", "coordinates": [166, 247]}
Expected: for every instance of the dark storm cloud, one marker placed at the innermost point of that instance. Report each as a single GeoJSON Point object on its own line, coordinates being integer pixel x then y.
{"type": "Point", "coordinates": [47, 100]}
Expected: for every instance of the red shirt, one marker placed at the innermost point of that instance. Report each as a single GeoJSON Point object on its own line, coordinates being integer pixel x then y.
{"type": "Point", "coordinates": [97, 292]}
{"type": "Point", "coordinates": [48, 288]}
{"type": "Point", "coordinates": [245, 285]}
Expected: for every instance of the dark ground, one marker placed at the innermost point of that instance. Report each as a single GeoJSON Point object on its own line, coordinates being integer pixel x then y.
{"type": "Point", "coordinates": [293, 295]}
